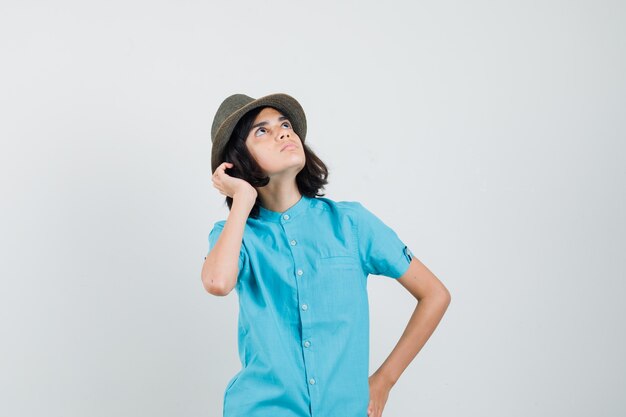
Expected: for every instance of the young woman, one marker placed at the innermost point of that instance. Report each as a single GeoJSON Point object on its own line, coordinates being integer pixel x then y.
{"type": "Point", "coordinates": [299, 263]}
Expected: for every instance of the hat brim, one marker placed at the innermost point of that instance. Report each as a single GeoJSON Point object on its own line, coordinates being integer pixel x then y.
{"type": "Point", "coordinates": [288, 105]}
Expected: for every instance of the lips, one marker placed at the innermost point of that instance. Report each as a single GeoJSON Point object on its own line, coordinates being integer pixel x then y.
{"type": "Point", "coordinates": [287, 145]}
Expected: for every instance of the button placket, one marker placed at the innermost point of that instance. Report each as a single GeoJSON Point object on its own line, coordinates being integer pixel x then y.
{"type": "Point", "coordinates": [303, 302]}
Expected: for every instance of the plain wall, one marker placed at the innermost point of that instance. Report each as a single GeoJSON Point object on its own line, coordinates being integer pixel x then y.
{"type": "Point", "coordinates": [489, 135]}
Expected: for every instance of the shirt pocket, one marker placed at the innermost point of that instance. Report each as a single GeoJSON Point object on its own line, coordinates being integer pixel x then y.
{"type": "Point", "coordinates": [335, 267]}
{"type": "Point", "coordinates": [337, 262]}
{"type": "Point", "coordinates": [341, 283]}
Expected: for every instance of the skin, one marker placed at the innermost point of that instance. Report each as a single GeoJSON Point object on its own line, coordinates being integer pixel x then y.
{"type": "Point", "coordinates": [265, 143]}
{"type": "Point", "coordinates": [432, 298]}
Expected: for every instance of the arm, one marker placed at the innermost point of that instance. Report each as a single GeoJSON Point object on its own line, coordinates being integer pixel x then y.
{"type": "Point", "coordinates": [433, 299]}
{"type": "Point", "coordinates": [220, 268]}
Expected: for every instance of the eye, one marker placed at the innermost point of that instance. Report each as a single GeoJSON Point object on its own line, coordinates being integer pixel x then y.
{"type": "Point", "coordinates": [263, 130]}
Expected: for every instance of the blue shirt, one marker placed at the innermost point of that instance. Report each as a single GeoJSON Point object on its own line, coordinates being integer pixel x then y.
{"type": "Point", "coordinates": [303, 327]}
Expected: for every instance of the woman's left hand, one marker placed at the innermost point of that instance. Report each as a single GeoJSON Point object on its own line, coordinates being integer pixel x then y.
{"type": "Point", "coordinates": [379, 392]}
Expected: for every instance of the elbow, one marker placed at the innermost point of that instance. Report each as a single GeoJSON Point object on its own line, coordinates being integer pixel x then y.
{"type": "Point", "coordinates": [210, 284]}
{"type": "Point", "coordinates": [216, 281]}
{"type": "Point", "coordinates": [445, 297]}
{"type": "Point", "coordinates": [218, 291]}
{"type": "Point", "coordinates": [216, 286]}
{"type": "Point", "coordinates": [441, 296]}
{"type": "Point", "coordinates": [448, 297]}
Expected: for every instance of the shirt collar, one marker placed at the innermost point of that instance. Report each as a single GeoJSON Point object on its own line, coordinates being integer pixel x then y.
{"type": "Point", "coordinates": [290, 213]}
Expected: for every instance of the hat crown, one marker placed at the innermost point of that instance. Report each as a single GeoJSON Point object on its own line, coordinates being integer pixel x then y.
{"type": "Point", "coordinates": [229, 106]}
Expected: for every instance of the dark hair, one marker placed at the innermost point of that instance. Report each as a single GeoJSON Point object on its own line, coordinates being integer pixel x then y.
{"type": "Point", "coordinates": [310, 180]}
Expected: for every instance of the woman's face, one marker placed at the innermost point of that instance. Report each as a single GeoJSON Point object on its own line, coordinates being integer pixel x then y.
{"type": "Point", "coordinates": [274, 144]}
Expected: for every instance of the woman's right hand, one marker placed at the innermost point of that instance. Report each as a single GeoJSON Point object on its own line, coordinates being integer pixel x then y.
{"type": "Point", "coordinates": [229, 186]}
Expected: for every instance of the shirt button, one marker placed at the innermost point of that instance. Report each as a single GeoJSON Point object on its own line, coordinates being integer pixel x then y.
{"type": "Point", "coordinates": [307, 344]}
{"type": "Point", "coordinates": [300, 272]}
{"type": "Point", "coordinates": [286, 216]}
{"type": "Point", "coordinates": [304, 307]}
{"type": "Point", "coordinates": [293, 243]}
{"type": "Point", "coordinates": [312, 381]}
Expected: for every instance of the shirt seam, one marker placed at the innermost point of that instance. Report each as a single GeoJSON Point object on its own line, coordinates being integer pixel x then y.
{"type": "Point", "coordinates": [355, 242]}
{"type": "Point", "coordinates": [357, 234]}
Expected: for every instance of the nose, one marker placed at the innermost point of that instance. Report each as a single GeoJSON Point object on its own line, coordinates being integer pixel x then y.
{"type": "Point", "coordinates": [283, 135]}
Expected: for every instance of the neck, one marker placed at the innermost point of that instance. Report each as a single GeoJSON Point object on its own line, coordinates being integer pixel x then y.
{"type": "Point", "coordinates": [279, 196]}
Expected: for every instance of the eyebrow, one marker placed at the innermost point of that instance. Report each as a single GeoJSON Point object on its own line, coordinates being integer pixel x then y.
{"type": "Point", "coordinates": [265, 122]}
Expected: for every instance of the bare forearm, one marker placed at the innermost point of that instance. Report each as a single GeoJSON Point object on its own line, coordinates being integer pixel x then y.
{"type": "Point", "coordinates": [421, 325]}
{"type": "Point", "coordinates": [220, 268]}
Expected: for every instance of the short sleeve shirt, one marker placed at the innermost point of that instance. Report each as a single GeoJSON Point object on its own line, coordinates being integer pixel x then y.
{"type": "Point", "coordinates": [303, 327]}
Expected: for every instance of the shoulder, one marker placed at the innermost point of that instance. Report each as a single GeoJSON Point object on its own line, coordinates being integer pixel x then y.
{"type": "Point", "coordinates": [330, 204]}
{"type": "Point", "coordinates": [351, 209]}
{"type": "Point", "coordinates": [217, 229]}
{"type": "Point", "coordinates": [219, 224]}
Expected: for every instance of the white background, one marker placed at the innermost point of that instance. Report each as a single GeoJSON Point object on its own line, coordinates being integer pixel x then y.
{"type": "Point", "coordinates": [489, 135]}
